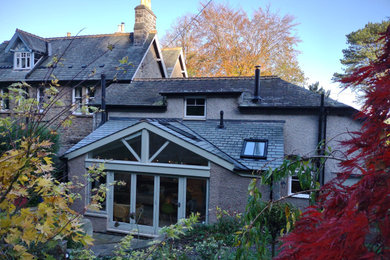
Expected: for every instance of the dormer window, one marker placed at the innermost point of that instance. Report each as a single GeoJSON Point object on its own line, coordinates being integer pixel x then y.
{"type": "Point", "coordinates": [195, 108]}
{"type": "Point", "coordinates": [255, 149]}
{"type": "Point", "coordinates": [23, 60]}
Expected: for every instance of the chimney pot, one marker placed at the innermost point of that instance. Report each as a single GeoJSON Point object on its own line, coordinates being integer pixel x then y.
{"type": "Point", "coordinates": [256, 96]}
{"type": "Point", "coordinates": [221, 123]}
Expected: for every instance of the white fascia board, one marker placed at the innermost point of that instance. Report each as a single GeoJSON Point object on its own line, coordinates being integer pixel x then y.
{"type": "Point", "coordinates": [13, 40]}
{"type": "Point", "coordinates": [143, 59]}
{"type": "Point", "coordinates": [152, 168]}
{"type": "Point", "coordinates": [111, 138]}
{"type": "Point", "coordinates": [144, 125]}
{"type": "Point", "coordinates": [161, 56]}
{"type": "Point", "coordinates": [181, 57]}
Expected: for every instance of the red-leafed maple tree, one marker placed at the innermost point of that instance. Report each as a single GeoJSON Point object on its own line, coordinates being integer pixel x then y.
{"type": "Point", "coordinates": [354, 222]}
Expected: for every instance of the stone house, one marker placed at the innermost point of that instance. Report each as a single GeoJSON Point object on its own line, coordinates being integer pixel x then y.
{"type": "Point", "coordinates": [79, 63]}
{"type": "Point", "coordinates": [190, 144]}
{"type": "Point", "coordinates": [179, 144]}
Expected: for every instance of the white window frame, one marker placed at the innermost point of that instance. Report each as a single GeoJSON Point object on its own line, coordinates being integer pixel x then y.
{"type": "Point", "coordinates": [28, 58]}
{"type": "Point", "coordinates": [85, 99]}
{"type": "Point", "coordinates": [191, 116]}
{"type": "Point", "coordinates": [2, 101]}
{"type": "Point", "coordinates": [88, 195]}
{"type": "Point", "coordinates": [290, 181]}
{"type": "Point", "coordinates": [39, 97]}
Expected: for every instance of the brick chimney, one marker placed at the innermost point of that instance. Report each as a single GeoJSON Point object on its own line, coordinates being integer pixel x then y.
{"type": "Point", "coordinates": [145, 22]}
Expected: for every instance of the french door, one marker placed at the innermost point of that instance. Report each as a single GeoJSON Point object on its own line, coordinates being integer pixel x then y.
{"type": "Point", "coordinates": [144, 203]}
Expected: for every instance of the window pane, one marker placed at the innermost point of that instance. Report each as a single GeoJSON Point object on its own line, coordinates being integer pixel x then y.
{"type": "Point", "coordinates": [249, 148]}
{"type": "Point", "coordinates": [113, 151]}
{"type": "Point", "coordinates": [78, 92]}
{"type": "Point", "coordinates": [94, 189]}
{"type": "Point", "coordinates": [196, 198]}
{"type": "Point", "coordinates": [145, 199]}
{"type": "Point", "coordinates": [168, 201]}
{"type": "Point", "coordinates": [122, 197]}
{"type": "Point", "coordinates": [259, 149]}
{"type": "Point", "coordinates": [155, 143]}
{"type": "Point", "coordinates": [296, 186]}
{"type": "Point", "coordinates": [176, 154]}
{"type": "Point", "coordinates": [135, 143]}
{"type": "Point", "coordinates": [255, 149]}
{"type": "Point", "coordinates": [190, 101]}
{"type": "Point", "coordinates": [200, 101]}
{"type": "Point", "coordinates": [195, 111]}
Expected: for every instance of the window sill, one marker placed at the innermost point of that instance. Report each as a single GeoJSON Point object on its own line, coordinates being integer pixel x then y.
{"type": "Point", "coordinates": [202, 118]}
{"type": "Point", "coordinates": [27, 69]}
{"type": "Point", "coordinates": [253, 157]}
{"type": "Point", "coordinates": [301, 196]}
{"type": "Point", "coordinates": [82, 115]}
{"type": "Point", "coordinates": [99, 214]}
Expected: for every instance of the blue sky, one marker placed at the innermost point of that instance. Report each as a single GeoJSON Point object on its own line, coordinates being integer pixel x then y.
{"type": "Point", "coordinates": [322, 24]}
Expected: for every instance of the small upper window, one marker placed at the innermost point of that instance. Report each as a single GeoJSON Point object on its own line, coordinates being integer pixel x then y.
{"type": "Point", "coordinates": [294, 186]}
{"type": "Point", "coordinates": [22, 60]}
{"type": "Point", "coordinates": [195, 107]}
{"type": "Point", "coordinates": [41, 98]}
{"type": "Point", "coordinates": [82, 96]}
{"type": "Point", "coordinates": [256, 149]}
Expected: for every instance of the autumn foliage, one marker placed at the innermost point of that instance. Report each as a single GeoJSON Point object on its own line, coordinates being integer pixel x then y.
{"type": "Point", "coordinates": [223, 41]}
{"type": "Point", "coordinates": [354, 222]}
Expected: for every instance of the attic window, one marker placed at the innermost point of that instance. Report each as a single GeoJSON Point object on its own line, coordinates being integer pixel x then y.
{"type": "Point", "coordinates": [23, 60]}
{"type": "Point", "coordinates": [256, 149]}
{"type": "Point", "coordinates": [195, 108]}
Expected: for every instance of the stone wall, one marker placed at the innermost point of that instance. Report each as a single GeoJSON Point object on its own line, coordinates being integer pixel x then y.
{"type": "Point", "coordinates": [76, 173]}
{"type": "Point", "coordinates": [228, 191]}
{"type": "Point", "coordinates": [149, 67]}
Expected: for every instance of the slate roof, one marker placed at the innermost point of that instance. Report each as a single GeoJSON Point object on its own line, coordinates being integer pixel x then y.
{"type": "Point", "coordinates": [32, 41]}
{"type": "Point", "coordinates": [170, 56]}
{"type": "Point", "coordinates": [274, 92]}
{"type": "Point", "coordinates": [80, 56]}
{"type": "Point", "coordinates": [225, 143]}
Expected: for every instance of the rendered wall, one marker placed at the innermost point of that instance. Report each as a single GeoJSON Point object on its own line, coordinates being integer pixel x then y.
{"type": "Point", "coordinates": [300, 130]}
{"type": "Point", "coordinates": [176, 72]}
{"type": "Point", "coordinates": [149, 67]}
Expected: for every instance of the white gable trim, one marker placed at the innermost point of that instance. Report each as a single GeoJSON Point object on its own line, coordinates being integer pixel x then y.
{"type": "Point", "coordinates": [181, 58]}
{"type": "Point", "coordinates": [161, 57]}
{"type": "Point", "coordinates": [145, 125]}
{"type": "Point", "coordinates": [13, 41]}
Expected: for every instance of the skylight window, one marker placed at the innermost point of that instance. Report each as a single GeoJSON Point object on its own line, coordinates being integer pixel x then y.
{"type": "Point", "coordinates": [256, 149]}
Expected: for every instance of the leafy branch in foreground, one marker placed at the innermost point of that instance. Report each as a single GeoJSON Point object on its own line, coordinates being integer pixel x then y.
{"type": "Point", "coordinates": [159, 248]}
{"type": "Point", "coordinates": [352, 222]}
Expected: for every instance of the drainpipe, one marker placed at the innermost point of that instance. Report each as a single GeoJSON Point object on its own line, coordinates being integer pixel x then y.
{"type": "Point", "coordinates": [103, 105]}
{"type": "Point", "coordinates": [322, 122]}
